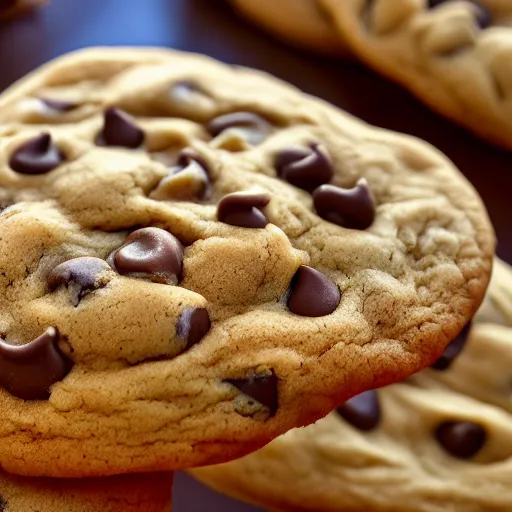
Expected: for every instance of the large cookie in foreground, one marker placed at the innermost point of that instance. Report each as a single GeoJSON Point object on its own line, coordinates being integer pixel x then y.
{"type": "Point", "coordinates": [441, 441]}
{"type": "Point", "coordinates": [452, 54]}
{"type": "Point", "coordinates": [196, 258]}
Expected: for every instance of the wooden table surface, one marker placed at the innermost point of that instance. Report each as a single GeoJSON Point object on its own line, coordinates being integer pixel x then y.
{"type": "Point", "coordinates": [207, 26]}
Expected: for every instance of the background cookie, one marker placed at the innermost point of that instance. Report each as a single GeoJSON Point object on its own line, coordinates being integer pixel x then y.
{"type": "Point", "coordinates": [193, 251]}
{"type": "Point", "coordinates": [440, 441]}
{"type": "Point", "coordinates": [127, 493]}
{"type": "Point", "coordinates": [303, 23]}
{"type": "Point", "coordinates": [11, 8]}
{"type": "Point", "coordinates": [452, 54]}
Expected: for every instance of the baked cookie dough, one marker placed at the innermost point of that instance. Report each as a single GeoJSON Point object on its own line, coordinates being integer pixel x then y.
{"type": "Point", "coordinates": [13, 8]}
{"type": "Point", "coordinates": [150, 492]}
{"type": "Point", "coordinates": [303, 23]}
{"type": "Point", "coordinates": [453, 54]}
{"type": "Point", "coordinates": [196, 258]}
{"type": "Point", "coordinates": [441, 441]}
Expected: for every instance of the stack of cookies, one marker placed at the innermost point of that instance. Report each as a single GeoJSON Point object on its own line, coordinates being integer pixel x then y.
{"type": "Point", "coordinates": [195, 259]}
{"type": "Point", "coordinates": [441, 440]}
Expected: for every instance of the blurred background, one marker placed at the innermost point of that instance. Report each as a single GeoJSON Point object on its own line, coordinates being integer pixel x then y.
{"type": "Point", "coordinates": [209, 26]}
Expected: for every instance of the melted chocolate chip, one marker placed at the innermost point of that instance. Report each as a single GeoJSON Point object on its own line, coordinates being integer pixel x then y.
{"type": "Point", "coordinates": [81, 276]}
{"type": "Point", "coordinates": [484, 16]}
{"type": "Point", "coordinates": [312, 293]}
{"type": "Point", "coordinates": [193, 324]}
{"type": "Point", "coordinates": [59, 106]}
{"type": "Point", "coordinates": [27, 371]}
{"type": "Point", "coordinates": [362, 411]}
{"type": "Point", "coordinates": [352, 208]}
{"type": "Point", "coordinates": [36, 156]}
{"type": "Point", "coordinates": [462, 439]}
{"type": "Point", "coordinates": [187, 181]}
{"type": "Point", "coordinates": [453, 349]}
{"type": "Point", "coordinates": [262, 388]}
{"type": "Point", "coordinates": [305, 168]}
{"type": "Point", "coordinates": [119, 129]}
{"type": "Point", "coordinates": [150, 253]}
{"type": "Point", "coordinates": [253, 127]}
{"type": "Point", "coordinates": [242, 209]}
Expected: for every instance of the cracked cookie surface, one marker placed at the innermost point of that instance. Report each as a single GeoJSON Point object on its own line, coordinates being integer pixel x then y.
{"type": "Point", "coordinates": [453, 54]}
{"type": "Point", "coordinates": [196, 258]}
{"type": "Point", "coordinates": [440, 441]}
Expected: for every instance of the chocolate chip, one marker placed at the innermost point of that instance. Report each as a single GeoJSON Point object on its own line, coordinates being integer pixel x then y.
{"type": "Point", "coordinates": [36, 156]}
{"type": "Point", "coordinates": [150, 253]}
{"type": "Point", "coordinates": [484, 16]}
{"type": "Point", "coordinates": [352, 208]}
{"type": "Point", "coordinates": [119, 129]}
{"type": "Point", "coordinates": [81, 276]}
{"type": "Point", "coordinates": [306, 168]}
{"type": "Point", "coordinates": [453, 349]}
{"type": "Point", "coordinates": [27, 371]}
{"type": "Point", "coordinates": [187, 181]}
{"type": "Point", "coordinates": [192, 325]}
{"type": "Point", "coordinates": [253, 127]}
{"type": "Point", "coordinates": [262, 388]}
{"type": "Point", "coordinates": [462, 439]}
{"type": "Point", "coordinates": [362, 411]}
{"type": "Point", "coordinates": [242, 209]}
{"type": "Point", "coordinates": [312, 293]}
{"type": "Point", "coordinates": [59, 106]}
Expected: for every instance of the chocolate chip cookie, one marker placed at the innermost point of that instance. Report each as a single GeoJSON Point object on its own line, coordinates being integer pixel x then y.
{"type": "Point", "coordinates": [303, 23]}
{"type": "Point", "coordinates": [453, 54]}
{"type": "Point", "coordinates": [13, 8]}
{"type": "Point", "coordinates": [150, 492]}
{"type": "Point", "coordinates": [440, 441]}
{"type": "Point", "coordinates": [196, 258]}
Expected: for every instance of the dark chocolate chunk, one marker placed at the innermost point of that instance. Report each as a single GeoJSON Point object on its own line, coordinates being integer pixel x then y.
{"type": "Point", "coordinates": [242, 209]}
{"type": "Point", "coordinates": [312, 293]}
{"type": "Point", "coordinates": [254, 127]}
{"type": "Point", "coordinates": [193, 324]}
{"type": "Point", "coordinates": [27, 371]}
{"type": "Point", "coordinates": [462, 439]}
{"type": "Point", "coordinates": [306, 168]}
{"type": "Point", "coordinates": [484, 16]}
{"type": "Point", "coordinates": [59, 106]}
{"type": "Point", "coordinates": [262, 388]}
{"type": "Point", "coordinates": [453, 349]}
{"type": "Point", "coordinates": [352, 208]}
{"type": "Point", "coordinates": [362, 411]}
{"type": "Point", "coordinates": [36, 156]}
{"type": "Point", "coordinates": [119, 129]}
{"type": "Point", "coordinates": [80, 276]}
{"type": "Point", "coordinates": [186, 181]}
{"type": "Point", "coordinates": [150, 253]}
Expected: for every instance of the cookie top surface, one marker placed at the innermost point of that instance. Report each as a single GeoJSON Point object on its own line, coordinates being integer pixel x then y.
{"type": "Point", "coordinates": [441, 440]}
{"type": "Point", "coordinates": [453, 54]}
{"type": "Point", "coordinates": [192, 252]}
{"type": "Point", "coordinates": [303, 23]}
